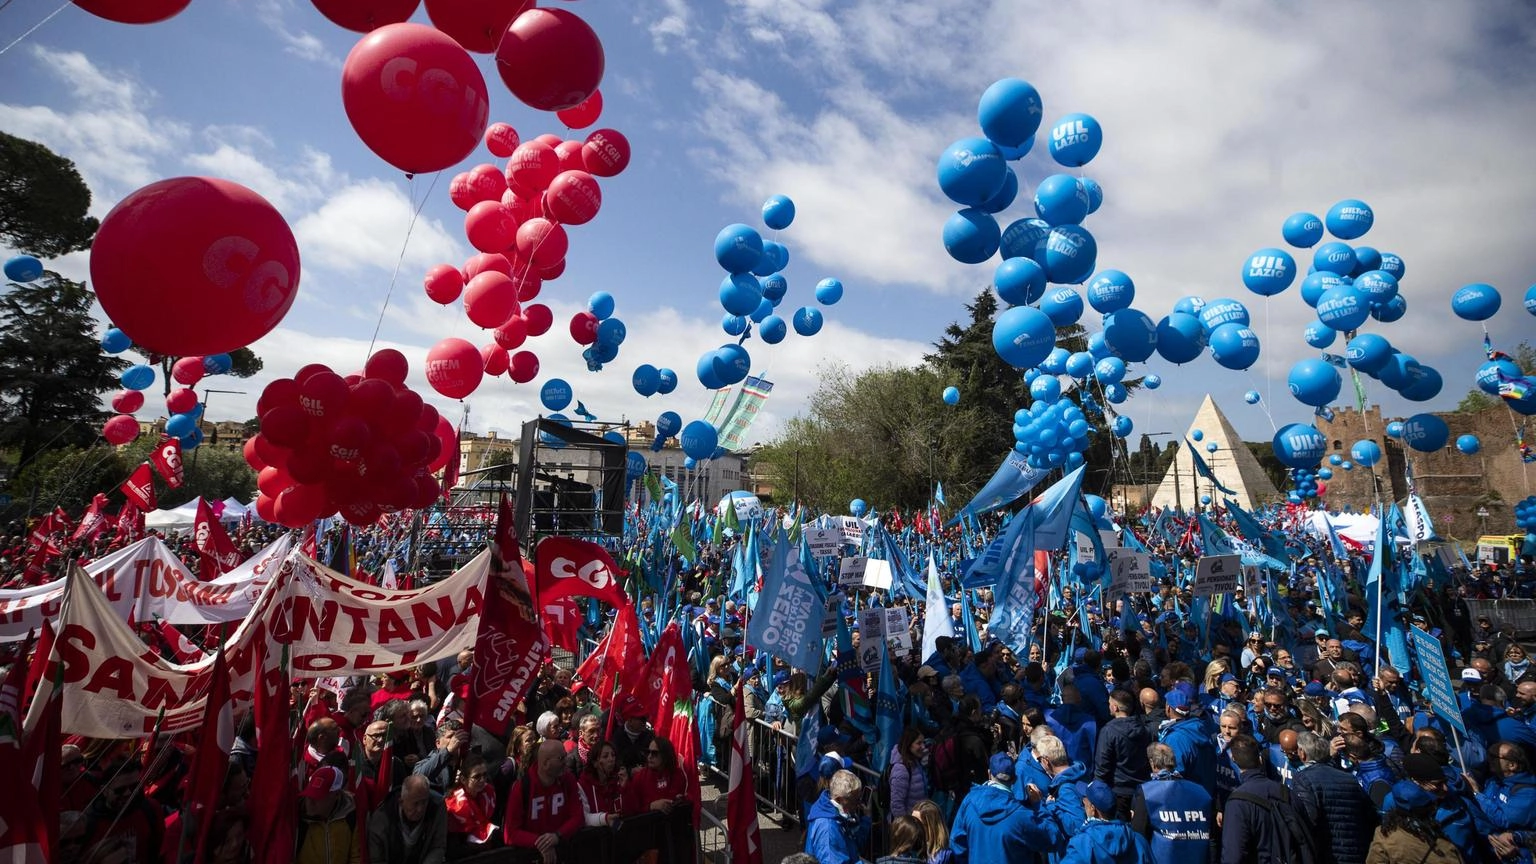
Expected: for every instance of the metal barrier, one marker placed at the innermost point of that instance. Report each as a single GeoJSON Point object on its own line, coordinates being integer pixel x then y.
{"type": "Point", "coordinates": [714, 844]}
{"type": "Point", "coordinates": [773, 767]}
{"type": "Point", "coordinates": [1519, 613]}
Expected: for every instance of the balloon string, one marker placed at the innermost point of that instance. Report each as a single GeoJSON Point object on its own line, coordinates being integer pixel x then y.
{"type": "Point", "coordinates": [411, 194]}
{"type": "Point", "coordinates": [35, 27]}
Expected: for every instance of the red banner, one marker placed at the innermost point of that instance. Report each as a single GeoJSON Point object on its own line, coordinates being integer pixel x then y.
{"type": "Point", "coordinates": [166, 458]}
{"type": "Point", "coordinates": [93, 522]}
{"type": "Point", "coordinates": [510, 644]}
{"type": "Point", "coordinates": [741, 794]}
{"type": "Point", "coordinates": [139, 488]}
{"type": "Point", "coordinates": [217, 551]}
{"type": "Point", "coordinates": [568, 566]}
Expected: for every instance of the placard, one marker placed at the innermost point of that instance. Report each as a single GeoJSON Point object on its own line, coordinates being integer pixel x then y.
{"type": "Point", "coordinates": [852, 528]}
{"type": "Point", "coordinates": [1217, 574]}
{"type": "Point", "coordinates": [877, 574]}
{"type": "Point", "coordinates": [897, 627]}
{"type": "Point", "coordinates": [824, 541]}
{"type": "Point", "coordinates": [1130, 573]}
{"type": "Point", "coordinates": [1109, 538]}
{"type": "Point", "coordinates": [850, 571]}
{"type": "Point", "coordinates": [871, 636]}
{"type": "Point", "coordinates": [1084, 545]}
{"type": "Point", "coordinates": [1437, 679]}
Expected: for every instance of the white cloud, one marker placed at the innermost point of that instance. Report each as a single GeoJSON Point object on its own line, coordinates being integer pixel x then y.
{"type": "Point", "coordinates": [296, 41]}
{"type": "Point", "coordinates": [672, 27]}
{"type": "Point", "coordinates": [362, 225]}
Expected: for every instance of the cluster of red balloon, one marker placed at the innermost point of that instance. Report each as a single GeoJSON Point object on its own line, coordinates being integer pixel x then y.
{"type": "Point", "coordinates": [362, 445]}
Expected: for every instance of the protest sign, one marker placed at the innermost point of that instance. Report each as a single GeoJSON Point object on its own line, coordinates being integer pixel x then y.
{"type": "Point", "coordinates": [1130, 571]}
{"type": "Point", "coordinates": [1437, 679]}
{"type": "Point", "coordinates": [850, 571]}
{"type": "Point", "coordinates": [877, 574]}
{"type": "Point", "coordinates": [1217, 574]}
{"type": "Point", "coordinates": [898, 628]}
{"type": "Point", "coordinates": [824, 541]}
{"type": "Point", "coordinates": [871, 636]}
{"type": "Point", "coordinates": [852, 528]}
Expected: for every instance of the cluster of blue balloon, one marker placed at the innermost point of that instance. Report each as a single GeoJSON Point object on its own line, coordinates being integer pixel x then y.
{"type": "Point", "coordinates": [1525, 518]}
{"type": "Point", "coordinates": [1051, 433]}
{"type": "Point", "coordinates": [649, 380]}
{"type": "Point", "coordinates": [23, 268]}
{"type": "Point", "coordinates": [1499, 376]}
{"type": "Point", "coordinates": [698, 439]}
{"type": "Point", "coordinates": [1305, 485]}
{"type": "Point", "coordinates": [753, 289]}
{"type": "Point", "coordinates": [1425, 433]}
{"type": "Point", "coordinates": [610, 332]}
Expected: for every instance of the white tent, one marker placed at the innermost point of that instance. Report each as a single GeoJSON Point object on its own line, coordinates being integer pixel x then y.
{"type": "Point", "coordinates": [234, 511]}
{"type": "Point", "coordinates": [1358, 527]}
{"type": "Point", "coordinates": [170, 520]}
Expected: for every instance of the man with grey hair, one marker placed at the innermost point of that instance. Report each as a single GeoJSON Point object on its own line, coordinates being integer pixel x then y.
{"type": "Point", "coordinates": [1172, 812]}
{"type": "Point", "coordinates": [410, 826]}
{"type": "Point", "coordinates": [836, 827]}
{"type": "Point", "coordinates": [1331, 802]}
{"type": "Point", "coordinates": [1058, 810]}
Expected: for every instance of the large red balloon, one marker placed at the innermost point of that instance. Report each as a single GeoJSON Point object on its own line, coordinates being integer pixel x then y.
{"type": "Point", "coordinates": [583, 115]}
{"type": "Point", "coordinates": [133, 11]}
{"type": "Point", "coordinates": [573, 198]}
{"type": "Point", "coordinates": [511, 334]}
{"type": "Point", "coordinates": [280, 391]}
{"type": "Point", "coordinates": [487, 261]}
{"type": "Point", "coordinates": [461, 192]}
{"type": "Point", "coordinates": [120, 430]}
{"type": "Point", "coordinates": [444, 283]}
{"type": "Point", "coordinates": [365, 16]}
{"type": "Point", "coordinates": [489, 226]}
{"type": "Point", "coordinates": [496, 359]}
{"type": "Point", "coordinates": [606, 152]}
{"type": "Point", "coordinates": [476, 24]}
{"type": "Point", "coordinates": [387, 364]}
{"type": "Point", "coordinates": [415, 97]}
{"type": "Point", "coordinates": [524, 367]}
{"type": "Point", "coordinates": [490, 299]}
{"type": "Point", "coordinates": [569, 153]}
{"type": "Point", "coordinates": [323, 396]}
{"type": "Point", "coordinates": [542, 242]}
{"type": "Point", "coordinates": [487, 181]}
{"type": "Point", "coordinates": [550, 59]}
{"type": "Point", "coordinates": [449, 440]}
{"type": "Point", "coordinates": [538, 318]}
{"type": "Point", "coordinates": [181, 400]}
{"type": "Point", "coordinates": [454, 368]}
{"type": "Point", "coordinates": [532, 166]}
{"type": "Point", "coordinates": [194, 265]}
{"type": "Point", "coordinates": [127, 401]}
{"type": "Point", "coordinates": [266, 508]}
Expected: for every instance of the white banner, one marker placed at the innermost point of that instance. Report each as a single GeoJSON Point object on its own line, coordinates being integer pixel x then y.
{"type": "Point", "coordinates": [877, 574]}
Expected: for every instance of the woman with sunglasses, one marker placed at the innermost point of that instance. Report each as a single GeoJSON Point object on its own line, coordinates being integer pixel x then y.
{"type": "Point", "coordinates": [660, 785]}
{"type": "Point", "coordinates": [472, 808]}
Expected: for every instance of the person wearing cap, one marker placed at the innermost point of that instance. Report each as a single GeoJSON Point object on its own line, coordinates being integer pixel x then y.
{"type": "Point", "coordinates": [1409, 832]}
{"type": "Point", "coordinates": [328, 831]}
{"type": "Point", "coordinates": [1248, 833]}
{"type": "Point", "coordinates": [1172, 812]}
{"type": "Point", "coordinates": [1330, 802]}
{"type": "Point", "coordinates": [1456, 810]}
{"type": "Point", "coordinates": [836, 826]}
{"type": "Point", "coordinates": [1120, 759]}
{"type": "Point", "coordinates": [991, 824]}
{"type": "Point", "coordinates": [1185, 734]}
{"type": "Point", "coordinates": [1103, 838]}
{"type": "Point", "coordinates": [410, 827]}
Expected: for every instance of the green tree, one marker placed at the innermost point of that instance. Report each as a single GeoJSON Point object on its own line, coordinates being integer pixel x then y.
{"type": "Point", "coordinates": [52, 369]}
{"type": "Point", "coordinates": [1476, 400]}
{"type": "Point", "coordinates": [68, 477]}
{"type": "Point", "coordinates": [43, 201]}
{"type": "Point", "coordinates": [214, 473]}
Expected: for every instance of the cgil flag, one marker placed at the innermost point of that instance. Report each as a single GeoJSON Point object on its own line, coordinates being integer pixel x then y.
{"type": "Point", "coordinates": [741, 794]}
{"type": "Point", "coordinates": [139, 488]}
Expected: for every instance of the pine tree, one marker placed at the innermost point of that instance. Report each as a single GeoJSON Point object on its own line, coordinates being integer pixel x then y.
{"type": "Point", "coordinates": [43, 201]}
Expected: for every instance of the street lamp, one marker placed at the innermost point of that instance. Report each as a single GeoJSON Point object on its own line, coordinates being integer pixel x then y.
{"type": "Point", "coordinates": [204, 415]}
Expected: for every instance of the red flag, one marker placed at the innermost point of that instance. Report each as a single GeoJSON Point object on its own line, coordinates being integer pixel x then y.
{"type": "Point", "coordinates": [23, 828]}
{"type": "Point", "coordinates": [211, 761]}
{"type": "Point", "coordinates": [139, 488]}
{"type": "Point", "coordinates": [667, 679]}
{"type": "Point", "coordinates": [42, 530]}
{"type": "Point", "coordinates": [273, 813]}
{"type": "Point", "coordinates": [181, 648]}
{"type": "Point", "coordinates": [569, 566]}
{"type": "Point", "coordinates": [37, 566]}
{"type": "Point", "coordinates": [166, 457]}
{"type": "Point", "coordinates": [130, 524]}
{"type": "Point", "coordinates": [38, 667]}
{"type": "Point", "coordinates": [510, 644]}
{"type": "Point", "coordinates": [621, 660]}
{"type": "Point", "coordinates": [61, 521]}
{"type": "Point", "coordinates": [562, 623]}
{"type": "Point", "coordinates": [310, 545]}
{"type": "Point", "coordinates": [217, 551]}
{"type": "Point", "coordinates": [741, 800]}
{"type": "Point", "coordinates": [93, 522]}
{"type": "Point", "coordinates": [451, 470]}
{"type": "Point", "coordinates": [40, 762]}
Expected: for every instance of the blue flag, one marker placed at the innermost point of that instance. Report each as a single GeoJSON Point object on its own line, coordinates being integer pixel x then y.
{"type": "Point", "coordinates": [1013, 615]}
{"type": "Point", "coordinates": [1013, 479]}
{"type": "Point", "coordinates": [890, 696]}
{"type": "Point", "coordinates": [1053, 511]}
{"type": "Point", "coordinates": [789, 614]}
{"type": "Point", "coordinates": [1205, 471]}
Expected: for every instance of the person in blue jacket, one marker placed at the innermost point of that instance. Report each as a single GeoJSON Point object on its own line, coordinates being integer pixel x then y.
{"type": "Point", "coordinates": [981, 679]}
{"type": "Point", "coordinates": [1185, 734]}
{"type": "Point", "coordinates": [992, 826]}
{"type": "Point", "coordinates": [1509, 797]}
{"type": "Point", "coordinates": [1058, 808]}
{"type": "Point", "coordinates": [1085, 674]}
{"type": "Point", "coordinates": [1175, 813]}
{"type": "Point", "coordinates": [836, 828]}
{"type": "Point", "coordinates": [1074, 725]}
{"type": "Point", "coordinates": [1103, 840]}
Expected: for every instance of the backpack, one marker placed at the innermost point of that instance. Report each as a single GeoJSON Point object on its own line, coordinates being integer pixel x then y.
{"type": "Point", "coordinates": [948, 773]}
{"type": "Point", "coordinates": [883, 788]}
{"type": "Point", "coordinates": [1294, 840]}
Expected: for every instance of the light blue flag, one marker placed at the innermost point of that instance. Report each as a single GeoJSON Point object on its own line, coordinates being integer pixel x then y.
{"type": "Point", "coordinates": [1013, 479]}
{"type": "Point", "coordinates": [806, 760]}
{"type": "Point", "coordinates": [890, 696]}
{"type": "Point", "coordinates": [968, 621]}
{"type": "Point", "coordinates": [1053, 511]}
{"type": "Point", "coordinates": [1205, 471]}
{"type": "Point", "coordinates": [936, 621]}
{"type": "Point", "coordinates": [1373, 577]}
{"type": "Point", "coordinates": [1013, 616]}
{"type": "Point", "coordinates": [1250, 528]}
{"type": "Point", "coordinates": [988, 566]}
{"type": "Point", "coordinates": [789, 614]}
{"type": "Point", "coordinates": [938, 493]}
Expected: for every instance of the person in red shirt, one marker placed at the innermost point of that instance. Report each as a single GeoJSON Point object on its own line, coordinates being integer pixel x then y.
{"type": "Point", "coordinates": [660, 785]}
{"type": "Point", "coordinates": [602, 785]}
{"type": "Point", "coordinates": [544, 807]}
{"type": "Point", "coordinates": [472, 808]}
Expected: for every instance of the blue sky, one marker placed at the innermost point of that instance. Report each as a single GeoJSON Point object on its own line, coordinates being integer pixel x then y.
{"type": "Point", "coordinates": [1220, 120]}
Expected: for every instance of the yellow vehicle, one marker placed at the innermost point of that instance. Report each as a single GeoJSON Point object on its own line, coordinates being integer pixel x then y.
{"type": "Point", "coordinates": [1499, 549]}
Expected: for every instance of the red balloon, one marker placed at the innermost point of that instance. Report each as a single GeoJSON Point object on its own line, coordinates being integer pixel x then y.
{"type": "Point", "coordinates": [496, 359]}
{"type": "Point", "coordinates": [371, 398]}
{"type": "Point", "coordinates": [127, 401]}
{"type": "Point", "coordinates": [501, 139]}
{"type": "Point", "coordinates": [487, 182]}
{"type": "Point", "coordinates": [266, 508]}
{"type": "Point", "coordinates": [569, 153]}
{"type": "Point", "coordinates": [134, 11]}
{"type": "Point", "coordinates": [511, 334]}
{"type": "Point", "coordinates": [364, 16]}
{"type": "Point", "coordinates": [573, 198]}
{"type": "Point", "coordinates": [549, 138]}
{"type": "Point", "coordinates": [525, 367]}
{"type": "Point", "coordinates": [486, 262]}
{"type": "Point", "coordinates": [348, 436]}
{"type": "Point", "coordinates": [120, 430]}
{"type": "Point", "coordinates": [524, 209]}
{"type": "Point", "coordinates": [454, 368]}
{"type": "Point", "coordinates": [550, 59]}
{"type": "Point", "coordinates": [552, 272]}
{"type": "Point", "coordinates": [527, 282]}
{"type": "Point", "coordinates": [273, 481]}
{"type": "Point", "coordinates": [187, 370]}
{"type": "Point", "coordinates": [323, 395]}
{"type": "Point", "coordinates": [539, 319]}
{"type": "Point", "coordinates": [585, 114]}
{"type": "Point", "coordinates": [310, 465]}
{"type": "Point", "coordinates": [475, 24]}
{"type": "Point", "coordinates": [489, 226]}
{"type": "Point", "coordinates": [415, 97]}
{"type": "Point", "coordinates": [388, 365]}
{"type": "Point", "coordinates": [252, 454]}
{"type": "Point", "coordinates": [461, 192]}
{"type": "Point", "coordinates": [541, 241]}
{"type": "Point", "coordinates": [426, 418]}
{"type": "Point", "coordinates": [444, 283]}
{"type": "Point", "coordinates": [300, 505]}
{"type": "Point", "coordinates": [584, 328]}
{"type": "Point", "coordinates": [360, 514]}
{"type": "Point", "coordinates": [532, 166]}
{"type": "Point", "coordinates": [285, 426]}
{"type": "Point", "coordinates": [606, 153]}
{"type": "Point", "coordinates": [412, 447]}
{"type": "Point", "coordinates": [269, 453]}
{"type": "Point", "coordinates": [308, 371]}
{"type": "Point", "coordinates": [490, 299]}
{"type": "Point", "coordinates": [194, 265]}
{"type": "Point", "coordinates": [181, 400]}
{"type": "Point", "coordinates": [448, 440]}
{"type": "Point", "coordinates": [427, 490]}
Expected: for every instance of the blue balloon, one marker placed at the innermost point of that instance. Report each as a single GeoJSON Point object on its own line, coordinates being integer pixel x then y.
{"type": "Point", "coordinates": [1223, 311]}
{"type": "Point", "coordinates": [774, 286]}
{"type": "Point", "coordinates": [1063, 306]}
{"type": "Point", "coordinates": [1019, 281]}
{"type": "Point", "coordinates": [829, 291]}
{"type": "Point", "coordinates": [1488, 375]}
{"type": "Point", "coordinates": [738, 248]}
{"type": "Point", "coordinates": [1390, 311]}
{"type": "Point", "coordinates": [1366, 452]}
{"type": "Point", "coordinates": [971, 171]}
{"type": "Point", "coordinates": [1302, 230]}
{"type": "Point", "coordinates": [1025, 238]}
{"type": "Point", "coordinates": [1190, 305]}
{"type": "Point", "coordinates": [1045, 389]}
{"type": "Point", "coordinates": [1366, 260]}
{"type": "Point", "coordinates": [1110, 370]}
{"type": "Point", "coordinates": [971, 236]}
{"type": "Point", "coordinates": [1476, 302]}
{"type": "Point", "coordinates": [1098, 348]}
{"type": "Point", "coordinates": [1378, 286]}
{"type": "Point", "coordinates": [690, 463]}
{"type": "Point", "coordinates": [611, 331]}
{"type": "Point", "coordinates": [763, 310]}
{"type": "Point", "coordinates": [1080, 364]}
{"type": "Point", "coordinates": [1152, 382]}
{"type": "Point", "coordinates": [668, 424]}
{"type": "Point", "coordinates": [1335, 459]}
{"type": "Point", "coordinates": [778, 212]}
{"type": "Point", "coordinates": [1211, 447]}
{"type": "Point", "coordinates": [138, 377]}
{"type": "Point", "coordinates": [1197, 434]}
{"type": "Point", "coordinates": [217, 364]}
{"type": "Point", "coordinates": [115, 341]}
{"type": "Point", "coordinates": [951, 396]}
{"type": "Point", "coordinates": [1392, 264]}
{"type": "Point", "coordinates": [1397, 372]}
{"type": "Point", "coordinates": [1114, 394]}
{"type": "Point", "coordinates": [667, 381]}
{"type": "Point", "coordinates": [1075, 140]}
{"type": "Point", "coordinates": [602, 352]}
{"type": "Point", "coordinates": [1269, 271]}
{"type": "Point", "coordinates": [1005, 196]}
{"type": "Point", "coordinates": [1014, 154]}
{"type": "Point", "coordinates": [1122, 426]}
{"type": "Point", "coordinates": [1316, 284]}
{"type": "Point", "coordinates": [23, 268]}
{"type": "Point", "coordinates": [1234, 346]}
{"type": "Point", "coordinates": [1061, 200]}
{"type": "Point", "coordinates": [704, 370]}
{"type": "Point", "coordinates": [1299, 445]}
{"type": "Point", "coordinates": [1425, 433]}
{"type": "Point", "coordinates": [1468, 444]}
{"type": "Point", "coordinates": [732, 363]}
{"type": "Point", "coordinates": [180, 425]}
{"type": "Point", "coordinates": [555, 394]}
{"type": "Point", "coordinates": [1530, 299]}
{"type": "Point", "coordinates": [1349, 219]}
{"type": "Point", "coordinates": [1343, 308]}
{"type": "Point", "coordinates": [554, 442]}
{"type": "Point", "coordinates": [1251, 397]}
{"type": "Point", "coordinates": [740, 293]}
{"type": "Point", "coordinates": [858, 508]}
{"type": "Point", "coordinates": [1131, 334]}
{"type": "Point", "coordinates": [1424, 384]}
{"type": "Point", "coordinates": [1110, 291]}
{"type": "Point", "coordinates": [192, 440]}
{"type": "Point", "coordinates": [1334, 257]}
{"type": "Point", "coordinates": [1023, 336]}
{"type": "Point", "coordinates": [807, 321]}
{"type": "Point", "coordinates": [645, 380]}
{"type": "Point", "coordinates": [1070, 254]}
{"type": "Point", "coordinates": [1368, 352]}
{"type": "Point", "coordinates": [1009, 112]}
{"type": "Point", "coordinates": [773, 330]}
{"type": "Point", "coordinates": [601, 304]}
{"type": "Point", "coordinates": [775, 258]}
{"type": "Point", "coordinates": [1325, 474]}
{"type": "Point", "coordinates": [1314, 382]}
{"type": "Point", "coordinates": [1180, 338]}
{"type": "Point", "coordinates": [1095, 193]}
{"type": "Point", "coordinates": [1347, 466]}
{"type": "Point", "coordinates": [733, 325]}
{"type": "Point", "coordinates": [634, 466]}
{"type": "Point", "coordinates": [1055, 363]}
